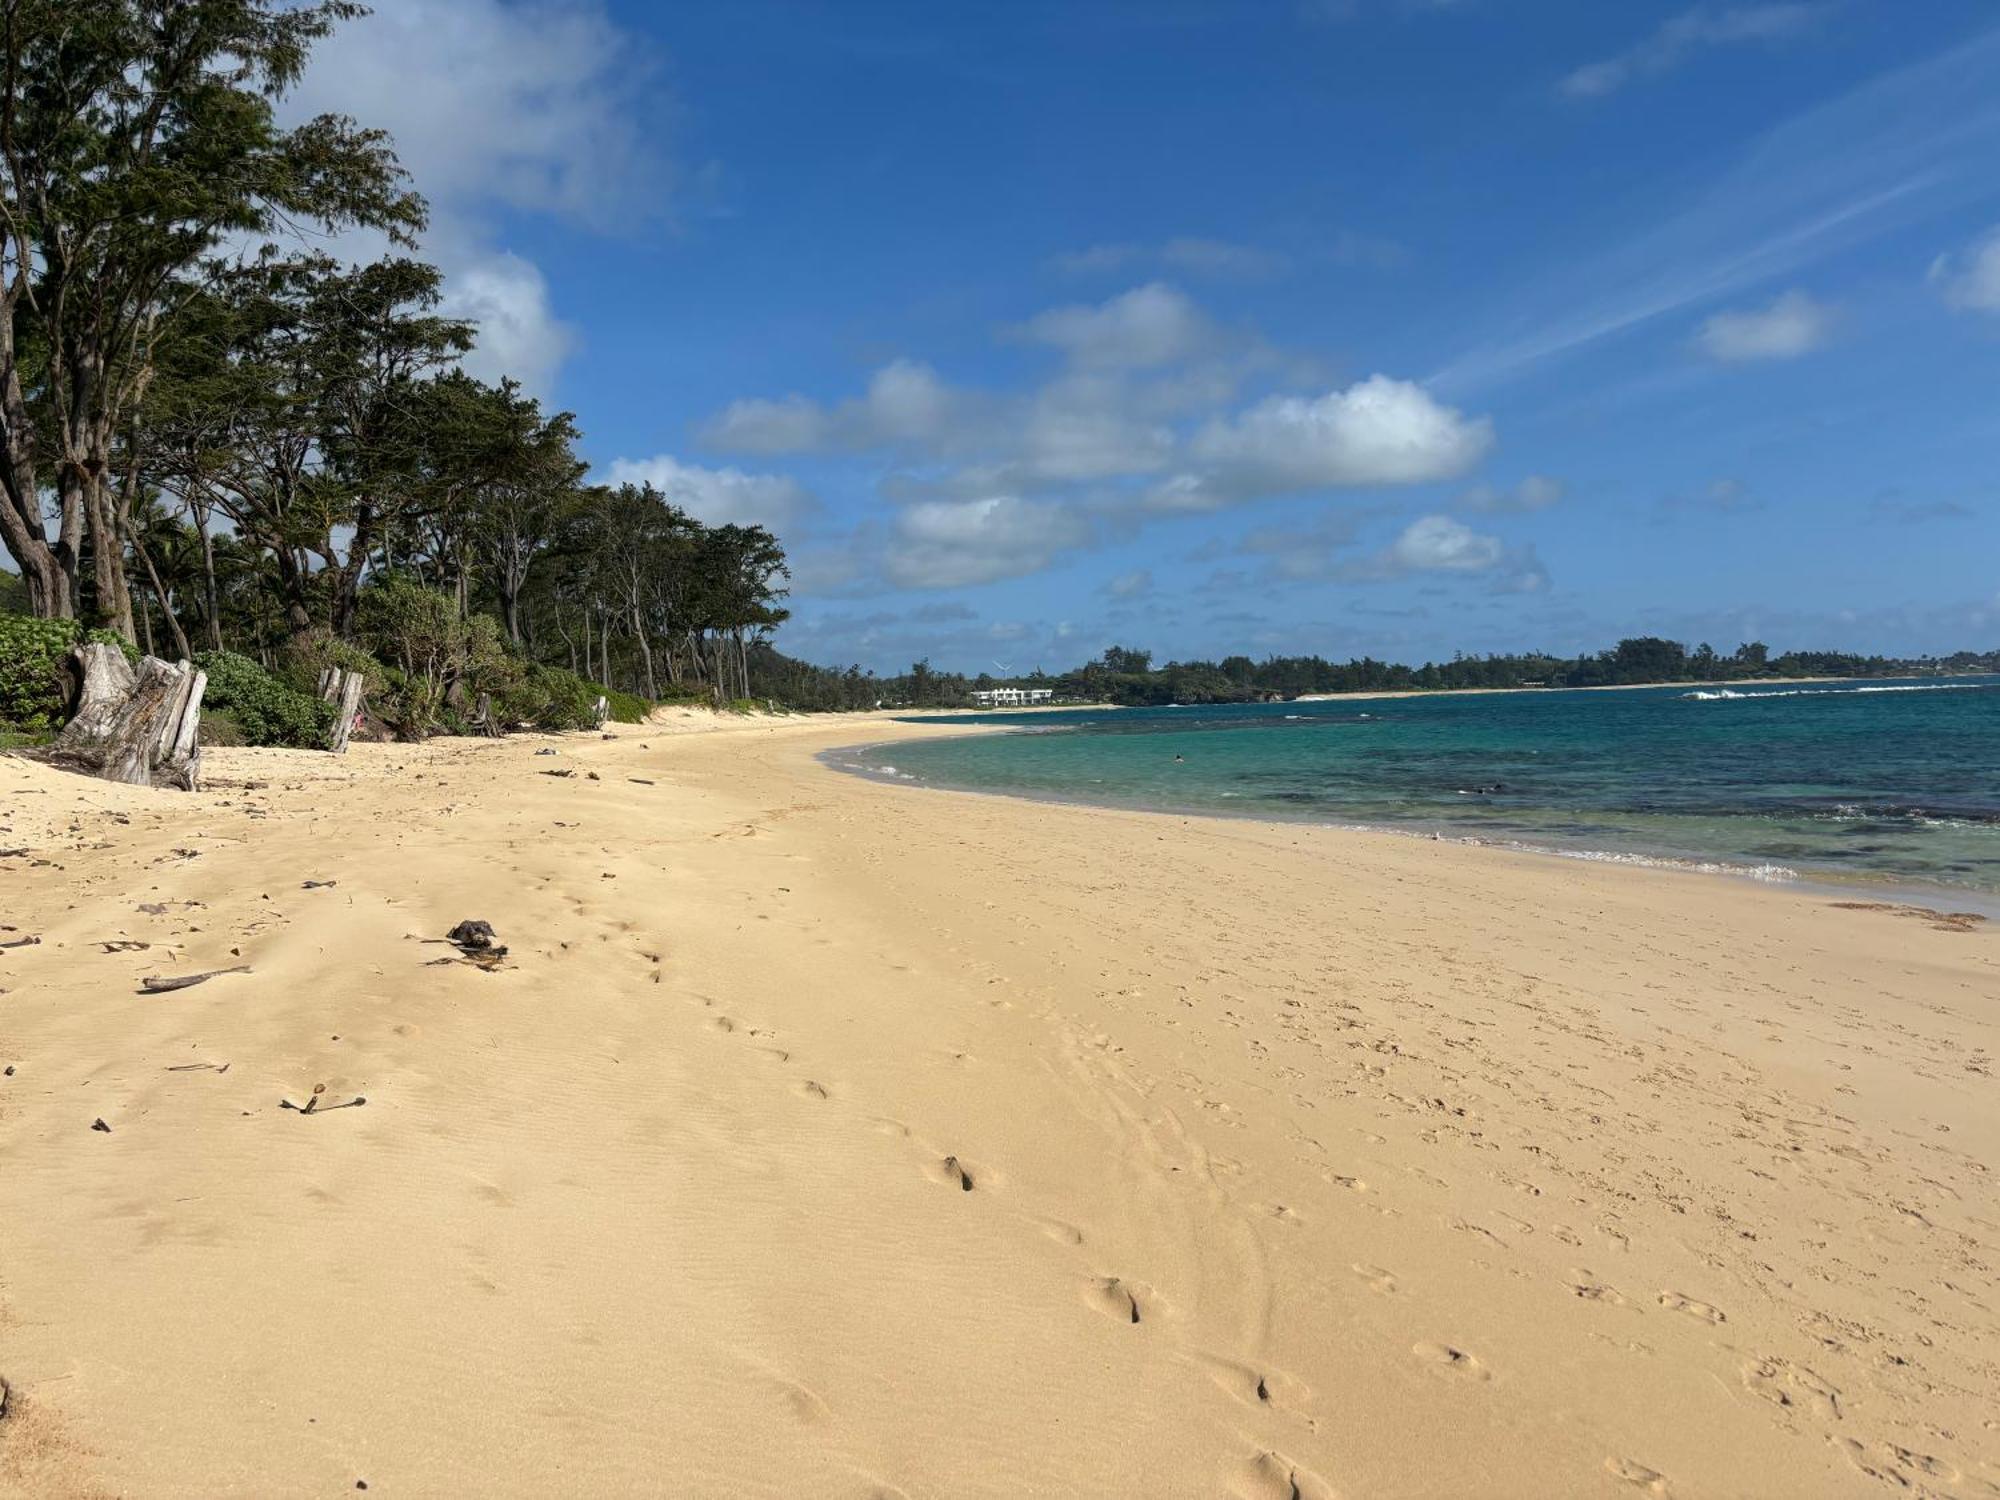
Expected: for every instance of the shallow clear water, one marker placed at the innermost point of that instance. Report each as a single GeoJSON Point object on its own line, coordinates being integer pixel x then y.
{"type": "Point", "coordinates": [1871, 782]}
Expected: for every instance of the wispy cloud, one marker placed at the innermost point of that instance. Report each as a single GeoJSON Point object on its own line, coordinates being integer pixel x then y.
{"type": "Point", "coordinates": [1683, 36]}
{"type": "Point", "coordinates": [1792, 325]}
{"type": "Point", "coordinates": [1970, 279]}
{"type": "Point", "coordinates": [1190, 255]}
{"type": "Point", "coordinates": [1721, 497]}
{"type": "Point", "coordinates": [1902, 149]}
{"type": "Point", "coordinates": [1535, 492]}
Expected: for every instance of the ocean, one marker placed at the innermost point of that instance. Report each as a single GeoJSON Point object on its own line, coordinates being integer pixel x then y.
{"type": "Point", "coordinates": [1875, 783]}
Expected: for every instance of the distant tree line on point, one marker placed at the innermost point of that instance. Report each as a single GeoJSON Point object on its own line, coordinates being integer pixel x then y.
{"type": "Point", "coordinates": [1125, 675]}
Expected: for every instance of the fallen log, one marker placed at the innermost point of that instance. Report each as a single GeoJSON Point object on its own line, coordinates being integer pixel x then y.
{"type": "Point", "coordinates": [141, 727]}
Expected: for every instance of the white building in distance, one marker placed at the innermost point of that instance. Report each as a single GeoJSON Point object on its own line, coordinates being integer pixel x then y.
{"type": "Point", "coordinates": [1011, 697]}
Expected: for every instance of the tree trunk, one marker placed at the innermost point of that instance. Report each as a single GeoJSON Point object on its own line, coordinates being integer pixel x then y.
{"type": "Point", "coordinates": [166, 608]}
{"type": "Point", "coordinates": [142, 728]}
{"type": "Point", "coordinates": [211, 599]}
{"type": "Point", "coordinates": [645, 652]}
{"type": "Point", "coordinates": [86, 490]}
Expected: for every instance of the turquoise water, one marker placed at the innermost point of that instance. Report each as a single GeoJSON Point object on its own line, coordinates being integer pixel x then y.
{"type": "Point", "coordinates": [1877, 782]}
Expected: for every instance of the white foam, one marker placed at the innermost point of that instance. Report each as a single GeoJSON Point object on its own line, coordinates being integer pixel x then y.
{"type": "Point", "coordinates": [1721, 694]}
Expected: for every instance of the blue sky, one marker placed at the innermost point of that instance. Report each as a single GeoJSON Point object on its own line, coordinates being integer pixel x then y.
{"type": "Point", "coordinates": [1383, 326]}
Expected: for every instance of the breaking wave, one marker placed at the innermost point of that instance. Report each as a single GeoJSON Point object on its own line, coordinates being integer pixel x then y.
{"type": "Point", "coordinates": [1716, 695]}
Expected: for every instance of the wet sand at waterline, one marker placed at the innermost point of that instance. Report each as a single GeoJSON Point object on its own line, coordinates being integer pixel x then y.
{"type": "Point", "coordinates": [824, 1137]}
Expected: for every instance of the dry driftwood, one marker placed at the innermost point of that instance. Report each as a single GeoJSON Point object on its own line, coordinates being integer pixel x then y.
{"type": "Point", "coordinates": [343, 691]}
{"type": "Point", "coordinates": [153, 984]}
{"type": "Point", "coordinates": [141, 727]}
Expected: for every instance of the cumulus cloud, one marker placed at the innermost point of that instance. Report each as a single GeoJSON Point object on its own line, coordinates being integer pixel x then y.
{"type": "Point", "coordinates": [719, 497]}
{"type": "Point", "coordinates": [1143, 420]}
{"type": "Point", "coordinates": [1682, 36]}
{"type": "Point", "coordinates": [1440, 544]}
{"type": "Point", "coordinates": [1536, 492]}
{"type": "Point", "coordinates": [939, 544]}
{"type": "Point", "coordinates": [905, 403]}
{"type": "Point", "coordinates": [1155, 324]}
{"type": "Point", "coordinates": [1792, 325]}
{"type": "Point", "coordinates": [519, 332]}
{"type": "Point", "coordinates": [1970, 279]}
{"type": "Point", "coordinates": [1378, 431]}
{"type": "Point", "coordinates": [495, 106]}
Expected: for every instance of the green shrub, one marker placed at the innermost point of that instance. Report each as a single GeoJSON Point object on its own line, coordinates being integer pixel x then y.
{"type": "Point", "coordinates": [549, 698]}
{"type": "Point", "coordinates": [308, 656]}
{"type": "Point", "coordinates": [219, 727]}
{"type": "Point", "coordinates": [626, 708]}
{"type": "Point", "coordinates": [263, 709]}
{"type": "Point", "coordinates": [34, 683]}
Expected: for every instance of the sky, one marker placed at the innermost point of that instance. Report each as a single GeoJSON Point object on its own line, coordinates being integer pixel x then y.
{"type": "Point", "coordinates": [1390, 327]}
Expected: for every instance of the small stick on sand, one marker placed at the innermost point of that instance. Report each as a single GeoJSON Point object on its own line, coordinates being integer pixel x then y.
{"type": "Point", "coordinates": [153, 984]}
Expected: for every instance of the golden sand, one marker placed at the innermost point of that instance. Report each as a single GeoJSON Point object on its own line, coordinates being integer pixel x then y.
{"type": "Point", "coordinates": [825, 1138]}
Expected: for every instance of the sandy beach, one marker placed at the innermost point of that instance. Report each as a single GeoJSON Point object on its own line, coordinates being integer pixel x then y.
{"type": "Point", "coordinates": [824, 1137]}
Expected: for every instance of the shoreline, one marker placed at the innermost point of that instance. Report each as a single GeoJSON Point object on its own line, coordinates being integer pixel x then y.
{"type": "Point", "coordinates": [1967, 900]}
{"type": "Point", "coordinates": [803, 1118]}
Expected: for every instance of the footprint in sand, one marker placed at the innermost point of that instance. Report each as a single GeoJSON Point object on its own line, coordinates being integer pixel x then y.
{"type": "Point", "coordinates": [1451, 1360]}
{"type": "Point", "coordinates": [1061, 1231]}
{"type": "Point", "coordinates": [1588, 1287]}
{"type": "Point", "coordinates": [1378, 1279]}
{"type": "Point", "coordinates": [1120, 1300]}
{"type": "Point", "coordinates": [1792, 1387]}
{"type": "Point", "coordinates": [1256, 1385]}
{"type": "Point", "coordinates": [1708, 1312]}
{"type": "Point", "coordinates": [956, 1171]}
{"type": "Point", "coordinates": [1272, 1476]}
{"type": "Point", "coordinates": [1652, 1481]}
{"type": "Point", "coordinates": [803, 1403]}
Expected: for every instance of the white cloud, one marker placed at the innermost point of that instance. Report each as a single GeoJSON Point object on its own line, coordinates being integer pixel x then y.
{"type": "Point", "coordinates": [1792, 325]}
{"type": "Point", "coordinates": [495, 106]}
{"type": "Point", "coordinates": [1970, 280]}
{"type": "Point", "coordinates": [905, 404]}
{"type": "Point", "coordinates": [519, 332]}
{"type": "Point", "coordinates": [941, 544]}
{"type": "Point", "coordinates": [1680, 36]}
{"type": "Point", "coordinates": [719, 497]}
{"type": "Point", "coordinates": [533, 106]}
{"type": "Point", "coordinates": [792, 424]}
{"type": "Point", "coordinates": [1378, 431]}
{"type": "Point", "coordinates": [1536, 492]}
{"type": "Point", "coordinates": [1150, 325]}
{"type": "Point", "coordinates": [1438, 544]}
{"type": "Point", "coordinates": [1130, 585]}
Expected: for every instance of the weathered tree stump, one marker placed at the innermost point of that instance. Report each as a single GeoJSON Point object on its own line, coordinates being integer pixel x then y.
{"type": "Point", "coordinates": [142, 728]}
{"type": "Point", "coordinates": [343, 691]}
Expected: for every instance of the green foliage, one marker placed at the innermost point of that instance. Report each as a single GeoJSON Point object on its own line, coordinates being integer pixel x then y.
{"type": "Point", "coordinates": [219, 727]}
{"type": "Point", "coordinates": [549, 698]}
{"type": "Point", "coordinates": [627, 708]}
{"type": "Point", "coordinates": [34, 687]}
{"type": "Point", "coordinates": [261, 708]}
